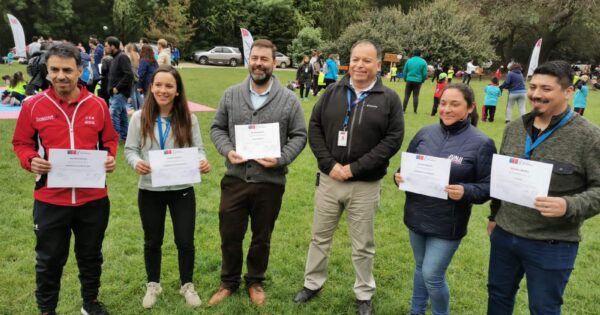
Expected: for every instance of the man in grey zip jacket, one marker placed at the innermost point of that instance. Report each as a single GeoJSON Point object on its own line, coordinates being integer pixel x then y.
{"type": "Point", "coordinates": [355, 128]}
{"type": "Point", "coordinates": [253, 188]}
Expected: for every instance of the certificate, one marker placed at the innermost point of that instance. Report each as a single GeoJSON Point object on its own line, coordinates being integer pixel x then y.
{"type": "Point", "coordinates": [172, 167]}
{"type": "Point", "coordinates": [77, 168]}
{"type": "Point", "coordinates": [425, 175]}
{"type": "Point", "coordinates": [257, 141]}
{"type": "Point", "coordinates": [519, 181]}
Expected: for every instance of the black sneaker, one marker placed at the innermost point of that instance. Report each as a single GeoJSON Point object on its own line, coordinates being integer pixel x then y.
{"type": "Point", "coordinates": [93, 308]}
{"type": "Point", "coordinates": [305, 295]}
{"type": "Point", "coordinates": [365, 307]}
{"type": "Point", "coordinates": [49, 313]}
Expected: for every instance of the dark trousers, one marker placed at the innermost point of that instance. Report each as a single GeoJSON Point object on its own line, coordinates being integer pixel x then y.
{"type": "Point", "coordinates": [488, 113]}
{"type": "Point", "coordinates": [153, 208]}
{"type": "Point", "coordinates": [240, 201]}
{"type": "Point", "coordinates": [315, 84]}
{"type": "Point", "coordinates": [92, 87]}
{"type": "Point", "coordinates": [414, 88]}
{"type": "Point", "coordinates": [304, 88]}
{"type": "Point", "coordinates": [547, 266]}
{"type": "Point", "coordinates": [466, 78]}
{"type": "Point", "coordinates": [579, 110]}
{"type": "Point", "coordinates": [52, 226]}
{"type": "Point", "coordinates": [329, 82]}
{"type": "Point", "coordinates": [436, 103]}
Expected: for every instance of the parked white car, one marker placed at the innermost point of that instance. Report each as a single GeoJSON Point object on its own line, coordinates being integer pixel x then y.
{"type": "Point", "coordinates": [282, 61]}
{"type": "Point", "coordinates": [220, 55]}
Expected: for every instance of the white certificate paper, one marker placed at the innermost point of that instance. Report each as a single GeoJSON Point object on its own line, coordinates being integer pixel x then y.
{"type": "Point", "coordinates": [257, 141]}
{"type": "Point", "coordinates": [77, 168]}
{"type": "Point", "coordinates": [172, 167]}
{"type": "Point", "coordinates": [519, 181]}
{"type": "Point", "coordinates": [425, 175]}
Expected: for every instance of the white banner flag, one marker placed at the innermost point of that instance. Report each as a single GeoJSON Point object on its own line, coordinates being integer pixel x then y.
{"type": "Point", "coordinates": [535, 57]}
{"type": "Point", "coordinates": [18, 35]}
{"type": "Point", "coordinates": [247, 42]}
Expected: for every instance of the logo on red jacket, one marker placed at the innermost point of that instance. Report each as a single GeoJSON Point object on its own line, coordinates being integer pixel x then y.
{"type": "Point", "coordinates": [44, 118]}
{"type": "Point", "coordinates": [89, 120]}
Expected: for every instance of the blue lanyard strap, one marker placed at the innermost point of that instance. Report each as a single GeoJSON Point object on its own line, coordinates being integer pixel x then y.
{"type": "Point", "coordinates": [351, 104]}
{"type": "Point", "coordinates": [163, 135]}
{"type": "Point", "coordinates": [529, 146]}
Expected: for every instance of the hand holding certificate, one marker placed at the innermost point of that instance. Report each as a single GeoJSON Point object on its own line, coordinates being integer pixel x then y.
{"type": "Point", "coordinates": [425, 175]}
{"type": "Point", "coordinates": [174, 167]}
{"type": "Point", "coordinates": [258, 141]}
{"type": "Point", "coordinates": [77, 168]}
{"type": "Point", "coordinates": [519, 181]}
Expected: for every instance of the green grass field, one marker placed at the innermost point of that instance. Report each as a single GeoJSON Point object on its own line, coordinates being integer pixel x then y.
{"type": "Point", "coordinates": [124, 276]}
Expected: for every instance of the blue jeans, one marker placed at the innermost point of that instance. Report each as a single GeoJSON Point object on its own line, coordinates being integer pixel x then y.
{"type": "Point", "coordinates": [118, 114]}
{"type": "Point", "coordinates": [432, 257]}
{"type": "Point", "coordinates": [137, 99]}
{"type": "Point", "coordinates": [546, 264]}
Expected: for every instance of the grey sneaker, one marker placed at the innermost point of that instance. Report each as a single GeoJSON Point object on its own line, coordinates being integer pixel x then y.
{"type": "Point", "coordinates": [153, 289]}
{"type": "Point", "coordinates": [190, 295]}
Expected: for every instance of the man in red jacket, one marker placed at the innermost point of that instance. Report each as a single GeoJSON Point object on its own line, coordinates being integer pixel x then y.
{"type": "Point", "coordinates": [66, 116]}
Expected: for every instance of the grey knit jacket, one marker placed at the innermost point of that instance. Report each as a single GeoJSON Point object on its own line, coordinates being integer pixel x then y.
{"type": "Point", "coordinates": [574, 150]}
{"type": "Point", "coordinates": [281, 106]}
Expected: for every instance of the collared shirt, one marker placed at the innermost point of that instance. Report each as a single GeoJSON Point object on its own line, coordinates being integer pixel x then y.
{"type": "Point", "coordinates": [258, 100]}
{"type": "Point", "coordinates": [358, 93]}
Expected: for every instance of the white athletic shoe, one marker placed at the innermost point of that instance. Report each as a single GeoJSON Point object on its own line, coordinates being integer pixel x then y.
{"type": "Point", "coordinates": [153, 289]}
{"type": "Point", "coordinates": [190, 295]}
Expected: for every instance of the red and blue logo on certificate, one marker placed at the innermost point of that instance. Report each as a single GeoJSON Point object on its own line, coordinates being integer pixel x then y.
{"type": "Point", "coordinates": [513, 161]}
{"type": "Point", "coordinates": [168, 152]}
{"type": "Point", "coordinates": [252, 126]}
{"type": "Point", "coordinates": [71, 151]}
{"type": "Point", "coordinates": [420, 157]}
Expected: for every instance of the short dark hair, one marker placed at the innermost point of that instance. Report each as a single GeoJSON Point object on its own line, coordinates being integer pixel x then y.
{"type": "Point", "coordinates": [144, 40]}
{"type": "Point", "coordinates": [495, 80]}
{"type": "Point", "coordinates": [368, 42]}
{"type": "Point", "coordinates": [559, 69]}
{"type": "Point", "coordinates": [264, 43]}
{"type": "Point", "coordinates": [34, 39]}
{"type": "Point", "coordinates": [113, 41]}
{"type": "Point", "coordinates": [65, 50]}
{"type": "Point", "coordinates": [416, 52]}
{"type": "Point", "coordinates": [516, 66]}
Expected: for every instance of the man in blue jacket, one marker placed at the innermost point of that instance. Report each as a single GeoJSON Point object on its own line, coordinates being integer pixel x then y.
{"type": "Point", "coordinates": [415, 73]}
{"type": "Point", "coordinates": [96, 54]}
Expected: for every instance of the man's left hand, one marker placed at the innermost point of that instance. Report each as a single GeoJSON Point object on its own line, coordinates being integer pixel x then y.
{"type": "Point", "coordinates": [347, 171]}
{"type": "Point", "coordinates": [110, 164]}
{"type": "Point", "coordinates": [552, 207]}
{"type": "Point", "coordinates": [267, 162]}
{"type": "Point", "coordinates": [115, 91]}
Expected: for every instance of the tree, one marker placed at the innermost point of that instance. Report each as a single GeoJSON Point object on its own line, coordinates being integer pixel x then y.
{"type": "Point", "coordinates": [308, 39]}
{"type": "Point", "coordinates": [173, 23]}
{"type": "Point", "coordinates": [126, 20]}
{"type": "Point", "coordinates": [441, 29]}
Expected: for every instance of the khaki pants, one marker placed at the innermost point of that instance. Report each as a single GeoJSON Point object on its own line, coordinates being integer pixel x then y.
{"type": "Point", "coordinates": [360, 200]}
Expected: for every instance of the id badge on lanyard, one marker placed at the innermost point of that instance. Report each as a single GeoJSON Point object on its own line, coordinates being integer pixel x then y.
{"type": "Point", "coordinates": [343, 134]}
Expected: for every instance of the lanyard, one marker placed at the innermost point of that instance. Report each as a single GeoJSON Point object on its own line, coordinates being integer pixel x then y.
{"type": "Point", "coordinates": [351, 105]}
{"type": "Point", "coordinates": [529, 146]}
{"type": "Point", "coordinates": [163, 136]}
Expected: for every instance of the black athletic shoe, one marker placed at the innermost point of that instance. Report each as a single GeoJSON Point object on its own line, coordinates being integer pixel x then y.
{"type": "Point", "coordinates": [93, 308]}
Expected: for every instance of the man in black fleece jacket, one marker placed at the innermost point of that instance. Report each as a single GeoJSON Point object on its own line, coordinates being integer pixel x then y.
{"type": "Point", "coordinates": [355, 128]}
{"type": "Point", "coordinates": [120, 80]}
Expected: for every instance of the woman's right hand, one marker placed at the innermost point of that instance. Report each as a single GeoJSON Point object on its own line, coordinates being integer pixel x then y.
{"type": "Point", "coordinates": [398, 179]}
{"type": "Point", "coordinates": [143, 168]}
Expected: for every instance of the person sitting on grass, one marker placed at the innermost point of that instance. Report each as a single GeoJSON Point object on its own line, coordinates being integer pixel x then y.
{"type": "Point", "coordinates": [15, 92]}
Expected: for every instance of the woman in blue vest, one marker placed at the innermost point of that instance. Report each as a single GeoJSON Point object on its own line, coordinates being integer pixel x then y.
{"type": "Point", "coordinates": [436, 226]}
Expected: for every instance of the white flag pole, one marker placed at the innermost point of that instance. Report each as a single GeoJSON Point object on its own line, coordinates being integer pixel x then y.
{"type": "Point", "coordinates": [18, 35]}
{"type": "Point", "coordinates": [247, 43]}
{"type": "Point", "coordinates": [535, 57]}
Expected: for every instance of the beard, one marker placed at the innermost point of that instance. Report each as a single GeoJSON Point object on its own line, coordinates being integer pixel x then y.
{"type": "Point", "coordinates": [261, 79]}
{"type": "Point", "coordinates": [538, 111]}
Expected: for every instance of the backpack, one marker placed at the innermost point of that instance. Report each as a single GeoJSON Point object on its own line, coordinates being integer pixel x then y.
{"type": "Point", "coordinates": [37, 71]}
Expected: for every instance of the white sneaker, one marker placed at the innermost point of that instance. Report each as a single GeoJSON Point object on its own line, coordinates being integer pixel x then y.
{"type": "Point", "coordinates": [153, 289]}
{"type": "Point", "coordinates": [190, 295]}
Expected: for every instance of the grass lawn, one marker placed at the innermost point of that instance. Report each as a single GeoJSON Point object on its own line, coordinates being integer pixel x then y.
{"type": "Point", "coordinates": [124, 275]}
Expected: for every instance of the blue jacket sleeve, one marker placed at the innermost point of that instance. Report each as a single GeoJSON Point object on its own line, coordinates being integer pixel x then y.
{"type": "Point", "coordinates": [479, 191]}
{"type": "Point", "coordinates": [506, 84]}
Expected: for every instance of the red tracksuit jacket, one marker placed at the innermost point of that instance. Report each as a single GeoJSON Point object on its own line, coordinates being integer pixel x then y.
{"type": "Point", "coordinates": [46, 122]}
